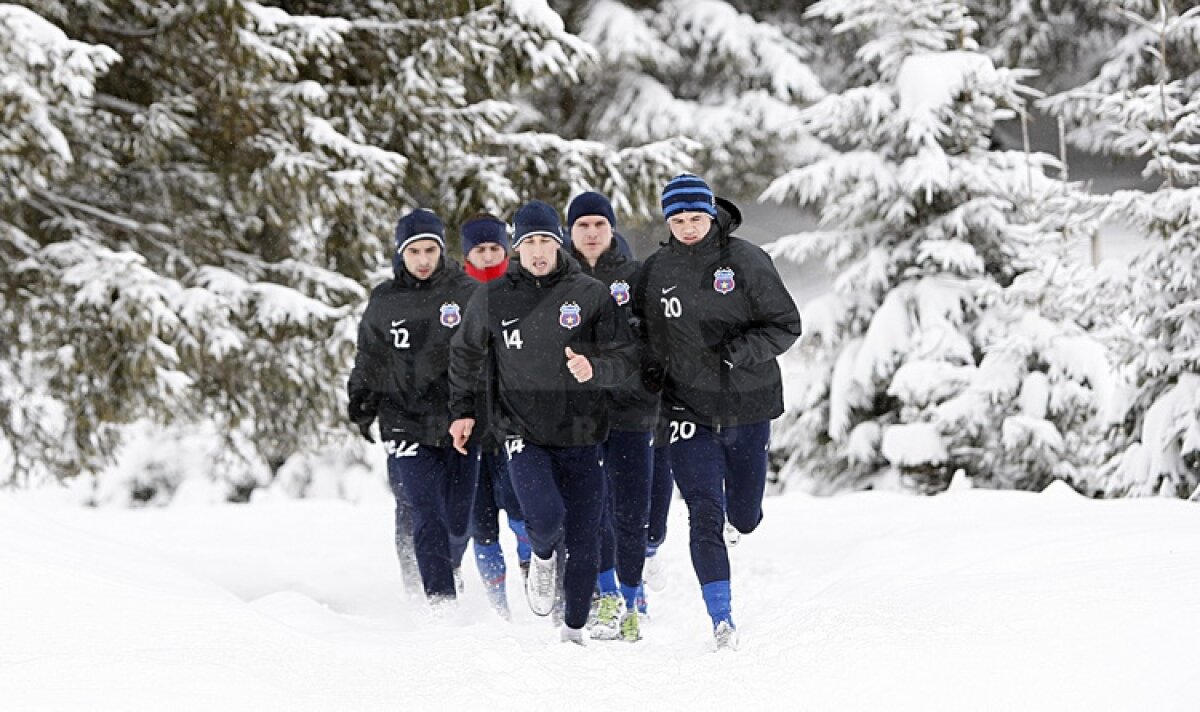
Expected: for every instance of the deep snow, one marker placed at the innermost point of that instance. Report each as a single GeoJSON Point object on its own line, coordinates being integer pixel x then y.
{"type": "Point", "coordinates": [976, 600]}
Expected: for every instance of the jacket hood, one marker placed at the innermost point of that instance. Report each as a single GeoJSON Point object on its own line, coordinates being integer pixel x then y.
{"type": "Point", "coordinates": [729, 216]}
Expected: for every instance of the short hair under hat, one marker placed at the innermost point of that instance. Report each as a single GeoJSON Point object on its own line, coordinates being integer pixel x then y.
{"type": "Point", "coordinates": [483, 227]}
{"type": "Point", "coordinates": [536, 218]}
{"type": "Point", "coordinates": [420, 224]}
{"type": "Point", "coordinates": [686, 192]}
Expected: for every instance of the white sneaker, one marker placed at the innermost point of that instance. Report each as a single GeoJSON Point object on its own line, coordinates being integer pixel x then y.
{"type": "Point", "coordinates": [542, 583]}
{"type": "Point", "coordinates": [725, 636]}
{"type": "Point", "coordinates": [732, 535]}
{"type": "Point", "coordinates": [571, 635]}
{"type": "Point", "coordinates": [654, 573]}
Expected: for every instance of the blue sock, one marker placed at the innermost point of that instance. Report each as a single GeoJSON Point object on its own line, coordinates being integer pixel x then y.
{"type": "Point", "coordinates": [631, 596]}
{"type": "Point", "coordinates": [717, 599]}
{"type": "Point", "coordinates": [523, 549]}
{"type": "Point", "coordinates": [606, 582]}
{"type": "Point", "coordinates": [490, 560]}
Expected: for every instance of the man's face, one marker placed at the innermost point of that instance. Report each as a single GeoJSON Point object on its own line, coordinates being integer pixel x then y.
{"type": "Point", "coordinates": [421, 258]}
{"type": "Point", "coordinates": [689, 227]}
{"type": "Point", "coordinates": [538, 254]}
{"type": "Point", "coordinates": [486, 254]}
{"type": "Point", "coordinates": [591, 235]}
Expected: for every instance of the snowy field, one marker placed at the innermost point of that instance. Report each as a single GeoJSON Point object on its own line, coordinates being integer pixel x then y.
{"type": "Point", "coordinates": [971, 600]}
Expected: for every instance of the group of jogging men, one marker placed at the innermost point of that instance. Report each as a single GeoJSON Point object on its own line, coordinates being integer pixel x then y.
{"type": "Point", "coordinates": [569, 386]}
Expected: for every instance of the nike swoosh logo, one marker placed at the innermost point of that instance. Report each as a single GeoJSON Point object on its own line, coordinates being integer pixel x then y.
{"type": "Point", "coordinates": [668, 290]}
{"type": "Point", "coordinates": [508, 322]}
{"type": "Point", "coordinates": [398, 323]}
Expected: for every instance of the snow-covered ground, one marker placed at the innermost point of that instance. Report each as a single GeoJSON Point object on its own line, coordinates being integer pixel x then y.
{"type": "Point", "coordinates": [972, 600]}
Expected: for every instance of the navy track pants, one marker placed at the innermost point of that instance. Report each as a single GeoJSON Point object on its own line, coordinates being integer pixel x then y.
{"type": "Point", "coordinates": [561, 490]}
{"type": "Point", "coordinates": [440, 486]}
{"type": "Point", "coordinates": [721, 474]}
{"type": "Point", "coordinates": [629, 465]}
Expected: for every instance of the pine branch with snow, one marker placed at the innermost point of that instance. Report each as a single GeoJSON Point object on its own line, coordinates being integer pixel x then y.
{"type": "Point", "coordinates": [1143, 102]}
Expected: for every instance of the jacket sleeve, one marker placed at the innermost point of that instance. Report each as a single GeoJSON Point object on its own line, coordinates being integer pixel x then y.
{"type": "Point", "coordinates": [364, 402]}
{"type": "Point", "coordinates": [774, 324]}
{"type": "Point", "coordinates": [468, 355]}
{"type": "Point", "coordinates": [651, 365]}
{"type": "Point", "coordinates": [614, 354]}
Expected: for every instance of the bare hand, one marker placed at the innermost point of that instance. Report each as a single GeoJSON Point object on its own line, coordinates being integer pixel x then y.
{"type": "Point", "coordinates": [460, 430]}
{"type": "Point", "coordinates": [579, 366]}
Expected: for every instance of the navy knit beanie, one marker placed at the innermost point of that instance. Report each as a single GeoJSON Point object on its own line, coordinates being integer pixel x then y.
{"type": "Point", "coordinates": [536, 218]}
{"type": "Point", "coordinates": [420, 224]}
{"type": "Point", "coordinates": [484, 228]}
{"type": "Point", "coordinates": [686, 192]}
{"type": "Point", "coordinates": [591, 203]}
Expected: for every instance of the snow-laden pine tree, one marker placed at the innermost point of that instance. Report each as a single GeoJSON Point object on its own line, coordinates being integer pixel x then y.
{"type": "Point", "coordinates": [47, 86]}
{"type": "Point", "coordinates": [732, 79]}
{"type": "Point", "coordinates": [1144, 103]}
{"type": "Point", "coordinates": [198, 195]}
{"type": "Point", "coordinates": [1060, 38]}
{"type": "Point", "coordinates": [946, 343]}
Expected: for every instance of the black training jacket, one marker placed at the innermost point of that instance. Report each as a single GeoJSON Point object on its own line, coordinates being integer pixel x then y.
{"type": "Point", "coordinates": [403, 351]}
{"type": "Point", "coordinates": [523, 324]}
{"type": "Point", "coordinates": [633, 407]}
{"type": "Point", "coordinates": [715, 315]}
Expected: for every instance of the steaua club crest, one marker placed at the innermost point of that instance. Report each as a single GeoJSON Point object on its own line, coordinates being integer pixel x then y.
{"type": "Point", "coordinates": [450, 316]}
{"type": "Point", "coordinates": [723, 280]}
{"type": "Point", "coordinates": [620, 292]}
{"type": "Point", "coordinates": [569, 316]}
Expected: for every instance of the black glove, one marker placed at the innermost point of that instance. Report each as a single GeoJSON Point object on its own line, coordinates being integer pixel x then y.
{"type": "Point", "coordinates": [654, 376]}
{"type": "Point", "coordinates": [364, 406]}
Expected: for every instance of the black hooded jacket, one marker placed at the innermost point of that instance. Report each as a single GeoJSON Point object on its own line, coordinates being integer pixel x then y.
{"type": "Point", "coordinates": [633, 407]}
{"type": "Point", "coordinates": [400, 370]}
{"type": "Point", "coordinates": [523, 324]}
{"type": "Point", "coordinates": [715, 315]}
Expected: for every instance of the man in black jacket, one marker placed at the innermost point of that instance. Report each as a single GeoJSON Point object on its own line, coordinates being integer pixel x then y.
{"type": "Point", "coordinates": [716, 315]}
{"type": "Point", "coordinates": [629, 450]}
{"type": "Point", "coordinates": [399, 377]}
{"type": "Point", "coordinates": [554, 338]}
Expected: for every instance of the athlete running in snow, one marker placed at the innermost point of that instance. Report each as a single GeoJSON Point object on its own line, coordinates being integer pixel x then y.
{"type": "Point", "coordinates": [554, 339]}
{"type": "Point", "coordinates": [716, 315]}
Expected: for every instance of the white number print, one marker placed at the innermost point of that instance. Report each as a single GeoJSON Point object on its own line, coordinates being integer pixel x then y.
{"type": "Point", "coordinates": [672, 307]}
{"type": "Point", "coordinates": [514, 446]}
{"type": "Point", "coordinates": [512, 339]}
{"type": "Point", "coordinates": [402, 448]}
{"type": "Point", "coordinates": [682, 430]}
{"type": "Point", "coordinates": [400, 337]}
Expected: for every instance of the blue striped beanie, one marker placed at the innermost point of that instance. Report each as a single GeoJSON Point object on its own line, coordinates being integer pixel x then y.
{"type": "Point", "coordinates": [686, 192]}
